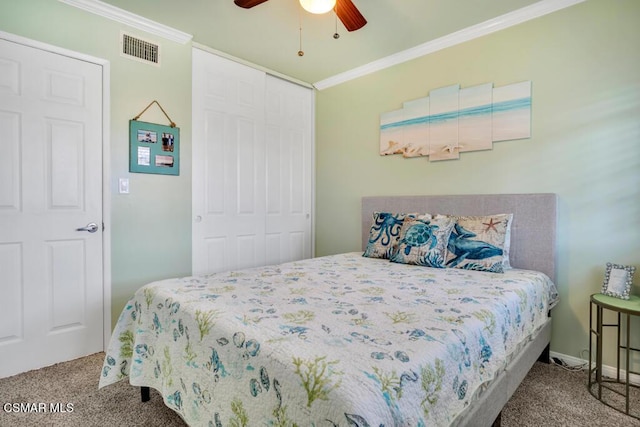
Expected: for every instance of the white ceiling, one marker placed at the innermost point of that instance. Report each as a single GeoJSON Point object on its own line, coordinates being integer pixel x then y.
{"type": "Point", "coordinates": [268, 34]}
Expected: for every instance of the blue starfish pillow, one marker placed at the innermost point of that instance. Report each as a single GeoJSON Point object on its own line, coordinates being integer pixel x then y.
{"type": "Point", "coordinates": [480, 243]}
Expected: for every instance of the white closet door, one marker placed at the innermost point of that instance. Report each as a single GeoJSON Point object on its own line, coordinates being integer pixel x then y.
{"type": "Point", "coordinates": [289, 171]}
{"type": "Point", "coordinates": [228, 164]}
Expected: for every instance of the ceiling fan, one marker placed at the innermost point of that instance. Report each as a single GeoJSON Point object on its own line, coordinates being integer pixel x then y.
{"type": "Point", "coordinates": [346, 11]}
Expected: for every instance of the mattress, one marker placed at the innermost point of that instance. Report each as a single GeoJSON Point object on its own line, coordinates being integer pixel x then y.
{"type": "Point", "coordinates": [335, 340]}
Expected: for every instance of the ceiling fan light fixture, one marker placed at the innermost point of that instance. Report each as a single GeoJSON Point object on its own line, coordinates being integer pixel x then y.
{"type": "Point", "coordinates": [318, 6]}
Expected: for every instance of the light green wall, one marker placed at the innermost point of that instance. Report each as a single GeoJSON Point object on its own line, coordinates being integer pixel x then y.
{"type": "Point", "coordinates": [584, 64]}
{"type": "Point", "coordinates": [150, 227]}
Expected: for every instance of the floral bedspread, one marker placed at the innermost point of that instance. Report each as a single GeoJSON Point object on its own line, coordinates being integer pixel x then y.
{"type": "Point", "coordinates": [340, 340]}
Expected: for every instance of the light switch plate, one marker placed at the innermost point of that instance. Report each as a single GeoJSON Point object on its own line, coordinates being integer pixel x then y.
{"type": "Point", "coordinates": [123, 185]}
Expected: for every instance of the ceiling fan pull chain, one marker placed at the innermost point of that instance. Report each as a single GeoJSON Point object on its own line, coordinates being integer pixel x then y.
{"type": "Point", "coordinates": [335, 10]}
{"type": "Point", "coordinates": [300, 52]}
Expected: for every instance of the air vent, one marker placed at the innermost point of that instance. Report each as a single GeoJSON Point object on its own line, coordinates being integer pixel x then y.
{"type": "Point", "coordinates": [141, 50]}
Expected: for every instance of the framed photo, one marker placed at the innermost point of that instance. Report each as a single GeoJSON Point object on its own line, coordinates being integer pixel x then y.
{"type": "Point", "coordinates": [154, 148]}
{"type": "Point", "coordinates": [618, 280]}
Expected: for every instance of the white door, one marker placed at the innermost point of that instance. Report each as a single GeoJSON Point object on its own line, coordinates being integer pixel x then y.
{"type": "Point", "coordinates": [228, 164]}
{"type": "Point", "coordinates": [289, 173]}
{"type": "Point", "coordinates": [50, 185]}
{"type": "Point", "coordinates": [252, 166]}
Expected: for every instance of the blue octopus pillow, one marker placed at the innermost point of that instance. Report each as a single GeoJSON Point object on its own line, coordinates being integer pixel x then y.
{"type": "Point", "coordinates": [423, 241]}
{"type": "Point", "coordinates": [384, 233]}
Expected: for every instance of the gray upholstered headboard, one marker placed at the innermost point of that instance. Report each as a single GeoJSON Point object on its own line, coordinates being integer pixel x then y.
{"type": "Point", "coordinates": [533, 231]}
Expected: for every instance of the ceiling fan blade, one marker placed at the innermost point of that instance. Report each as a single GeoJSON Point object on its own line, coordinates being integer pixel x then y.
{"type": "Point", "coordinates": [248, 4]}
{"type": "Point", "coordinates": [349, 15]}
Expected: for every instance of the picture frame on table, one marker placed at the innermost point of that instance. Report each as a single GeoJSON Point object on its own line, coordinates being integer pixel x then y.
{"type": "Point", "coordinates": [618, 280]}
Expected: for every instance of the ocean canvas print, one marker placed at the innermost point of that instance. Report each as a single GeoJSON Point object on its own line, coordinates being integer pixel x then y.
{"type": "Point", "coordinates": [452, 120]}
{"type": "Point", "coordinates": [416, 127]}
{"type": "Point", "coordinates": [512, 112]}
{"type": "Point", "coordinates": [443, 123]}
{"type": "Point", "coordinates": [475, 118]}
{"type": "Point", "coordinates": [392, 133]}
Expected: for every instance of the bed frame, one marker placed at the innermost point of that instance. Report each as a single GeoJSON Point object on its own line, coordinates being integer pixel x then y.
{"type": "Point", "coordinates": [533, 242]}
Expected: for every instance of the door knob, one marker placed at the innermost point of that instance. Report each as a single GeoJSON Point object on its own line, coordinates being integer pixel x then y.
{"type": "Point", "coordinates": [92, 227]}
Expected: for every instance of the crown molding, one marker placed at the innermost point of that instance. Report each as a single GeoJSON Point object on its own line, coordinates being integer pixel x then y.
{"type": "Point", "coordinates": [507, 20]}
{"type": "Point", "coordinates": [119, 15]}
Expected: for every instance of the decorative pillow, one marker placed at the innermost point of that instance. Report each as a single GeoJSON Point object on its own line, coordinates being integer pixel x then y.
{"type": "Point", "coordinates": [423, 241]}
{"type": "Point", "coordinates": [480, 243]}
{"type": "Point", "coordinates": [383, 235]}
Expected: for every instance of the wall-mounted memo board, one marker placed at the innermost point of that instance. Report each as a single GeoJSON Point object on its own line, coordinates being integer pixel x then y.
{"type": "Point", "coordinates": [154, 148]}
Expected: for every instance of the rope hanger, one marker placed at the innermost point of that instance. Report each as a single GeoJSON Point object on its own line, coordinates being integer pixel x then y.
{"type": "Point", "coordinates": [171, 123]}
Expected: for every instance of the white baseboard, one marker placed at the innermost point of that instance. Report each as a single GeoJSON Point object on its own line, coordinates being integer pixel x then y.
{"type": "Point", "coordinates": [607, 371]}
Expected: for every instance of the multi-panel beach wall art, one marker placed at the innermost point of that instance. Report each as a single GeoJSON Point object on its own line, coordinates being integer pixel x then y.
{"type": "Point", "coordinates": [452, 120]}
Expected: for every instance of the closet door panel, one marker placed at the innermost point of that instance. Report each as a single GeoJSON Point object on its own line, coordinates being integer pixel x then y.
{"type": "Point", "coordinates": [289, 169]}
{"type": "Point", "coordinates": [252, 167]}
{"type": "Point", "coordinates": [228, 164]}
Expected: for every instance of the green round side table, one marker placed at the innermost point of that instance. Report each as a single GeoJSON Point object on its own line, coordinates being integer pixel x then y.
{"type": "Point", "coordinates": [597, 382]}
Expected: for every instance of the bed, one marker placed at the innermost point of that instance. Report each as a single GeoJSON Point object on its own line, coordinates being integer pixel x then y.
{"type": "Point", "coordinates": [347, 339]}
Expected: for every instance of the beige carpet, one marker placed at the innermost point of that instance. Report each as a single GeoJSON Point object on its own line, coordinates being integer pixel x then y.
{"type": "Point", "coordinates": [549, 396]}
